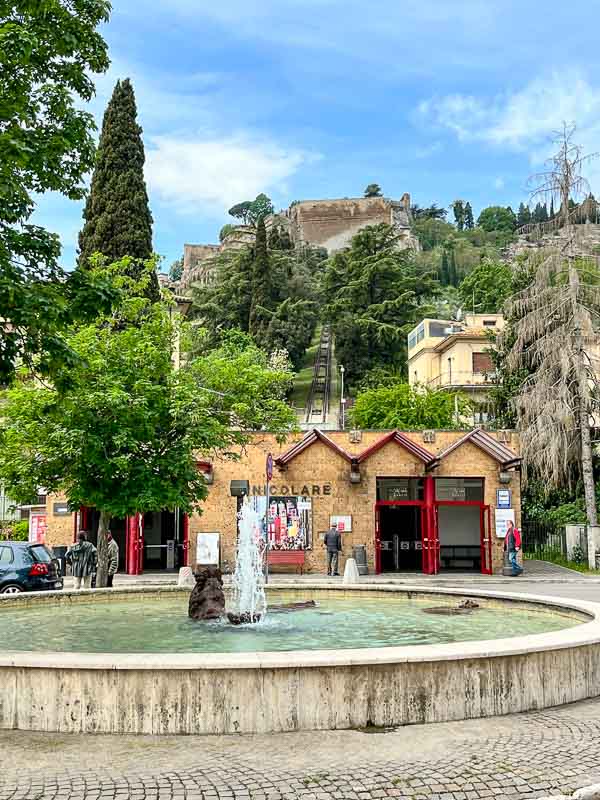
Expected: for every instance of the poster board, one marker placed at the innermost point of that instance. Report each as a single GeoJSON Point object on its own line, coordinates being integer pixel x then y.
{"type": "Point", "coordinates": [207, 549]}
{"type": "Point", "coordinates": [38, 525]}
{"type": "Point", "coordinates": [289, 523]}
{"type": "Point", "coordinates": [503, 498]}
{"type": "Point", "coordinates": [343, 522]}
{"type": "Point", "coordinates": [502, 518]}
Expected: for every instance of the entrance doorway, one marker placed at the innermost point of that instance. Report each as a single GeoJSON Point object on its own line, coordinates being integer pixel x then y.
{"type": "Point", "coordinates": [400, 538]}
{"type": "Point", "coordinates": [459, 530]}
{"type": "Point", "coordinates": [163, 541]}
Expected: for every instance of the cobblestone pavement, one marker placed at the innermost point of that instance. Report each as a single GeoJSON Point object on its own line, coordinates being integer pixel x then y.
{"type": "Point", "coordinates": [523, 756]}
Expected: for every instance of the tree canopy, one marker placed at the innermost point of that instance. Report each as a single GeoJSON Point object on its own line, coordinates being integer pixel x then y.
{"type": "Point", "coordinates": [497, 218]}
{"type": "Point", "coordinates": [486, 288]}
{"type": "Point", "coordinates": [117, 216]}
{"type": "Point", "coordinates": [48, 55]}
{"type": "Point", "coordinates": [373, 190]}
{"type": "Point", "coordinates": [399, 405]}
{"type": "Point", "coordinates": [123, 437]}
{"type": "Point", "coordinates": [375, 292]}
{"type": "Point", "coordinates": [251, 211]}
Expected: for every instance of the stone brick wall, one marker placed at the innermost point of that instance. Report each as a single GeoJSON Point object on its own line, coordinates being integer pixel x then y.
{"type": "Point", "coordinates": [319, 465]}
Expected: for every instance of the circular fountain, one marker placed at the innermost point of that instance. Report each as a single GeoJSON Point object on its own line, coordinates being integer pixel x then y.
{"type": "Point", "coordinates": [133, 661]}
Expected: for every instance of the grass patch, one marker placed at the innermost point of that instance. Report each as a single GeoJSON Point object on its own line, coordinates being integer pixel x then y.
{"type": "Point", "coordinates": [558, 558]}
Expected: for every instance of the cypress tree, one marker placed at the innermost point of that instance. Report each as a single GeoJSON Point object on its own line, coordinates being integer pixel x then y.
{"type": "Point", "coordinates": [469, 223]}
{"type": "Point", "coordinates": [444, 272]}
{"type": "Point", "coordinates": [262, 292]}
{"type": "Point", "coordinates": [117, 215]}
{"type": "Point", "coordinates": [552, 215]}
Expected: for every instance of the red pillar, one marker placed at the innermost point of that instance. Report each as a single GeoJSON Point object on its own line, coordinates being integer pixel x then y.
{"type": "Point", "coordinates": [430, 550]}
{"type": "Point", "coordinates": [134, 544]}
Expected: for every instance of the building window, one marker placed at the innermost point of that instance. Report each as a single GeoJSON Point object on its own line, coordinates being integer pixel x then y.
{"type": "Point", "coordinates": [400, 488]}
{"type": "Point", "coordinates": [459, 489]}
{"type": "Point", "coordinates": [416, 336]}
{"type": "Point", "coordinates": [437, 330]}
{"type": "Point", "coordinates": [489, 323]}
{"type": "Point", "coordinates": [482, 363]}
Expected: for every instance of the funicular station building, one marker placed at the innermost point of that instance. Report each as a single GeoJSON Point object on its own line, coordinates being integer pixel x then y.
{"type": "Point", "coordinates": [426, 501]}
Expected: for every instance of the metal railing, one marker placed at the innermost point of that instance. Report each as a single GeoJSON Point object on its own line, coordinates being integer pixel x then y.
{"type": "Point", "coordinates": [464, 378]}
{"type": "Point", "coordinates": [543, 540]}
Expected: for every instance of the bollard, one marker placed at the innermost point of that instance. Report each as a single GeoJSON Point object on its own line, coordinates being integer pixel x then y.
{"type": "Point", "coordinates": [351, 571]}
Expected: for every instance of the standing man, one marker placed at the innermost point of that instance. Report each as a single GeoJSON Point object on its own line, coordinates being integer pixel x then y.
{"type": "Point", "coordinates": [113, 559]}
{"type": "Point", "coordinates": [83, 557]}
{"type": "Point", "coordinates": [333, 545]}
{"type": "Point", "coordinates": [512, 544]}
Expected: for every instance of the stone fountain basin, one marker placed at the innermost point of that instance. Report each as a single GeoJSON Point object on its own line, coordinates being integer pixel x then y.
{"type": "Point", "coordinates": [300, 690]}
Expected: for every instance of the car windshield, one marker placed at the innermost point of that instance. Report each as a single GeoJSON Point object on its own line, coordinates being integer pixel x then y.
{"type": "Point", "coordinates": [40, 553]}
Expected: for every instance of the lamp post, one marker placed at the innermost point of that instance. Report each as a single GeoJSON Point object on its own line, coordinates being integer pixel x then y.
{"type": "Point", "coordinates": [343, 399]}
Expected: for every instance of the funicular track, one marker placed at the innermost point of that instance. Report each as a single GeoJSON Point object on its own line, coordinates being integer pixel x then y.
{"type": "Point", "coordinates": [317, 407]}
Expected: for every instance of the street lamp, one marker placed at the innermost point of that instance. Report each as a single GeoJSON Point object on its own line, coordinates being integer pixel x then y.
{"type": "Point", "coordinates": [343, 399]}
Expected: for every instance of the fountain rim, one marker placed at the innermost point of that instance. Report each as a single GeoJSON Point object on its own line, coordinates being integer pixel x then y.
{"type": "Point", "coordinates": [584, 634]}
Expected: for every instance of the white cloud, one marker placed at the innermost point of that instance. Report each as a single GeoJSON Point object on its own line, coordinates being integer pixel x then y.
{"type": "Point", "coordinates": [212, 173]}
{"type": "Point", "coordinates": [499, 183]}
{"type": "Point", "coordinates": [520, 119]}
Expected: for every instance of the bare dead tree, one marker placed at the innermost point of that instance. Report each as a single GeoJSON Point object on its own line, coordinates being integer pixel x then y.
{"type": "Point", "coordinates": [562, 180]}
{"type": "Point", "coordinates": [556, 322]}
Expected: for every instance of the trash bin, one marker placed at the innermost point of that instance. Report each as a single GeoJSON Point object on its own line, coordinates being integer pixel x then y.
{"type": "Point", "coordinates": [359, 554]}
{"type": "Point", "coordinates": [60, 554]}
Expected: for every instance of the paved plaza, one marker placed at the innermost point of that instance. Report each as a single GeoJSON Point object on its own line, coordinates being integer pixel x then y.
{"type": "Point", "coordinates": [527, 755]}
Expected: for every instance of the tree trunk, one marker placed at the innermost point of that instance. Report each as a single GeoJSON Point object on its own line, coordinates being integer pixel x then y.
{"type": "Point", "coordinates": [584, 410]}
{"type": "Point", "coordinates": [102, 572]}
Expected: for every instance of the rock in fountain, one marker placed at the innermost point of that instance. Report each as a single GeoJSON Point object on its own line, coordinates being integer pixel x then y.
{"type": "Point", "coordinates": [249, 603]}
{"type": "Point", "coordinates": [207, 600]}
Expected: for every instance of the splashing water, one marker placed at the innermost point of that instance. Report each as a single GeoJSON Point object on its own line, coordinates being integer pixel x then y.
{"type": "Point", "coordinates": [249, 603]}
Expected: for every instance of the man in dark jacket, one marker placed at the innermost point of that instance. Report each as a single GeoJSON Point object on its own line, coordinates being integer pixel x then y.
{"type": "Point", "coordinates": [511, 546]}
{"type": "Point", "coordinates": [333, 545]}
{"type": "Point", "coordinates": [113, 559]}
{"type": "Point", "coordinates": [83, 557]}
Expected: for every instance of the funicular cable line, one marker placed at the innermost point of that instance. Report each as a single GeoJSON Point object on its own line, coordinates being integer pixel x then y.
{"type": "Point", "coordinates": [317, 406]}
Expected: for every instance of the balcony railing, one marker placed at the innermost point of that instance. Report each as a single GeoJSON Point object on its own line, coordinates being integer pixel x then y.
{"type": "Point", "coordinates": [467, 378]}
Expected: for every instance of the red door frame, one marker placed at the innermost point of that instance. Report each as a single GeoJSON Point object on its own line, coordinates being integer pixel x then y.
{"type": "Point", "coordinates": [485, 538]}
{"type": "Point", "coordinates": [415, 504]}
{"type": "Point", "coordinates": [135, 545]}
{"type": "Point", "coordinates": [186, 540]}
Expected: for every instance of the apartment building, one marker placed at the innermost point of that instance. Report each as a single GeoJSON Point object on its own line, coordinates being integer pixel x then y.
{"type": "Point", "coordinates": [455, 355]}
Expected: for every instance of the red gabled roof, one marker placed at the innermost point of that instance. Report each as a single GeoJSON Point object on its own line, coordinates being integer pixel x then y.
{"type": "Point", "coordinates": [316, 435]}
{"type": "Point", "coordinates": [307, 441]}
{"type": "Point", "coordinates": [403, 441]}
{"type": "Point", "coordinates": [502, 454]}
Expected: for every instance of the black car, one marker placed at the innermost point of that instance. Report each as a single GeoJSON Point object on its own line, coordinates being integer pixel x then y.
{"type": "Point", "coordinates": [27, 567]}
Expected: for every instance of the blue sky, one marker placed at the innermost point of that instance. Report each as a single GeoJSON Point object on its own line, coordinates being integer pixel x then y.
{"type": "Point", "coordinates": [306, 99]}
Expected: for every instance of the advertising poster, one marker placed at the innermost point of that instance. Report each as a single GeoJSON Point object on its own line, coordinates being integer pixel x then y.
{"type": "Point", "coordinates": [38, 525]}
{"type": "Point", "coordinates": [503, 515]}
{"type": "Point", "coordinates": [207, 549]}
{"type": "Point", "coordinates": [343, 522]}
{"type": "Point", "coordinates": [289, 523]}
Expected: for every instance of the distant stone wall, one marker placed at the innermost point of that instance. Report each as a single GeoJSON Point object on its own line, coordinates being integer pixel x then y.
{"type": "Point", "coordinates": [333, 223]}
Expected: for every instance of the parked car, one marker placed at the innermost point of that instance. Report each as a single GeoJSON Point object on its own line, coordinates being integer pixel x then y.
{"type": "Point", "coordinates": [27, 567]}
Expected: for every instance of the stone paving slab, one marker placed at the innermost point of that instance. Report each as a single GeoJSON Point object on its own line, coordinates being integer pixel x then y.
{"type": "Point", "coordinates": [525, 756]}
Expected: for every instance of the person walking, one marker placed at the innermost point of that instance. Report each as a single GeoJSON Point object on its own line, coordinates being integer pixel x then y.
{"type": "Point", "coordinates": [512, 545]}
{"type": "Point", "coordinates": [333, 545]}
{"type": "Point", "coordinates": [113, 559]}
{"type": "Point", "coordinates": [83, 558]}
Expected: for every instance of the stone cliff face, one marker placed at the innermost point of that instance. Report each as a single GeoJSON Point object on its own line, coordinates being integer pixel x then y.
{"type": "Point", "coordinates": [330, 224]}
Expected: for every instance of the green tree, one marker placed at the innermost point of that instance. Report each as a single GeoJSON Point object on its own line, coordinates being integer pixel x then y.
{"type": "Point", "coordinates": [399, 405]}
{"type": "Point", "coordinates": [487, 287]}
{"type": "Point", "coordinates": [251, 211]}
{"type": "Point", "coordinates": [497, 218]}
{"type": "Point", "coordinates": [176, 269]}
{"type": "Point", "coordinates": [459, 214]}
{"type": "Point", "coordinates": [523, 215]}
{"type": "Point", "coordinates": [124, 437]}
{"type": "Point", "coordinates": [225, 231]}
{"type": "Point", "coordinates": [469, 222]}
{"type": "Point", "coordinates": [373, 190]}
{"type": "Point", "coordinates": [430, 212]}
{"type": "Point", "coordinates": [117, 216]}
{"type": "Point", "coordinates": [48, 54]}
{"type": "Point", "coordinates": [262, 288]}
{"type": "Point", "coordinates": [375, 293]}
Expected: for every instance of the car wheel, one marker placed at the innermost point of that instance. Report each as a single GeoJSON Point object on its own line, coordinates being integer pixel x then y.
{"type": "Point", "coordinates": [12, 588]}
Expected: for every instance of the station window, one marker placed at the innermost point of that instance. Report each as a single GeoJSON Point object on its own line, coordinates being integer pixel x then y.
{"type": "Point", "coordinates": [400, 488]}
{"type": "Point", "coordinates": [459, 489]}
